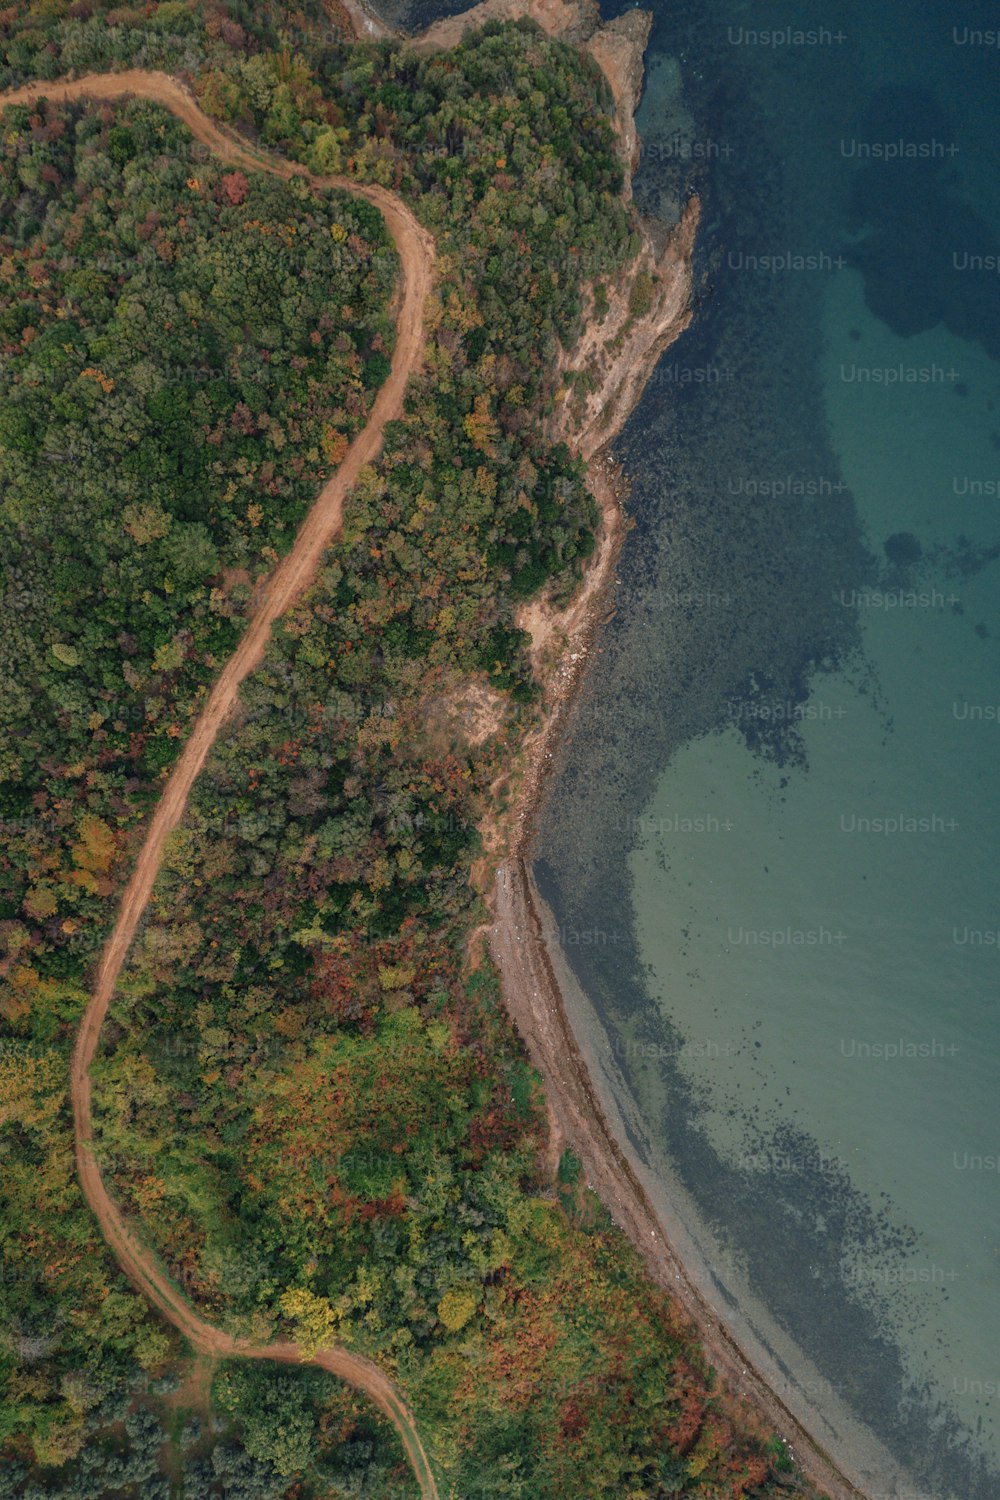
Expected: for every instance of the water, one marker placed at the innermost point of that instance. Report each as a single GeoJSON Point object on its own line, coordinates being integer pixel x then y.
{"type": "Point", "coordinates": [777, 813]}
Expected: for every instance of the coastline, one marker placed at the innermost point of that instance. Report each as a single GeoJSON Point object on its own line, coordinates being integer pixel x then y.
{"type": "Point", "coordinates": [536, 978]}
{"type": "Point", "coordinates": [589, 1104]}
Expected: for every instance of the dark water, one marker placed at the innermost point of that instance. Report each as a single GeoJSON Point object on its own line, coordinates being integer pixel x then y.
{"type": "Point", "coordinates": [797, 978]}
{"type": "Point", "coordinates": [805, 1015]}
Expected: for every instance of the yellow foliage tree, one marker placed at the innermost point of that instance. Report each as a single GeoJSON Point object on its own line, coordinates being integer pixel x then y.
{"type": "Point", "coordinates": [31, 1090]}
{"type": "Point", "coordinates": [457, 1307]}
{"type": "Point", "coordinates": [169, 656]}
{"type": "Point", "coordinates": [95, 846]}
{"type": "Point", "coordinates": [63, 1438]}
{"type": "Point", "coordinates": [145, 522]}
{"type": "Point", "coordinates": [40, 902]}
{"type": "Point", "coordinates": [335, 444]}
{"type": "Point", "coordinates": [479, 425]}
{"type": "Point", "coordinates": [315, 1318]}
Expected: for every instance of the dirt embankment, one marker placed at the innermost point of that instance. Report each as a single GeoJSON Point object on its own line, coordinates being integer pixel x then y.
{"type": "Point", "coordinates": [610, 366]}
{"type": "Point", "coordinates": [627, 325]}
{"type": "Point", "coordinates": [603, 378]}
{"type": "Point", "coordinates": [360, 20]}
{"type": "Point", "coordinates": [284, 586]}
{"type": "Point", "coordinates": [629, 321]}
{"type": "Point", "coordinates": [616, 356]}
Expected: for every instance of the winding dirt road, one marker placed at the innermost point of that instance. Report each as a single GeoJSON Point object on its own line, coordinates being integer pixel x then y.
{"type": "Point", "coordinates": [286, 584]}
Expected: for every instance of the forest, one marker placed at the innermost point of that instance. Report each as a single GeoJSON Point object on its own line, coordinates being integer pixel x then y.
{"type": "Point", "coordinates": [309, 1099]}
{"type": "Point", "coordinates": [264, 1426]}
{"type": "Point", "coordinates": [47, 38]}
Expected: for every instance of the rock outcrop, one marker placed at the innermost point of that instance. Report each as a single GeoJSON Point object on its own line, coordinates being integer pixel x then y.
{"type": "Point", "coordinates": [619, 48]}
{"type": "Point", "coordinates": [570, 20]}
{"type": "Point", "coordinates": [605, 372]}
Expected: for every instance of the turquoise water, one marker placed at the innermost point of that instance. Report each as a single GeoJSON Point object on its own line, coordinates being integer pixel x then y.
{"type": "Point", "coordinates": [779, 799]}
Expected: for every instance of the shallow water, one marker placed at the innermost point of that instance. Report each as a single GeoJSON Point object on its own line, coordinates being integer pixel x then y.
{"type": "Point", "coordinates": [769, 849]}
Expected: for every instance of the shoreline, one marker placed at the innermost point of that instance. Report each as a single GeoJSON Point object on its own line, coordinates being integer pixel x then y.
{"type": "Point", "coordinates": [589, 1115]}
{"type": "Point", "coordinates": [581, 1112]}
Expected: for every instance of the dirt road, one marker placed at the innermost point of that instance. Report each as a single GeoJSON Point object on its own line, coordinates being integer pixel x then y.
{"type": "Point", "coordinates": [286, 584]}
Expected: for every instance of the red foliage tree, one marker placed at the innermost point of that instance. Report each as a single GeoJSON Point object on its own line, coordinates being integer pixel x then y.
{"type": "Point", "coordinates": [233, 188]}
